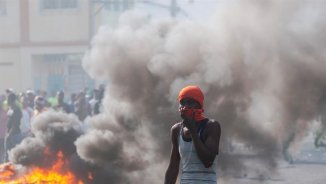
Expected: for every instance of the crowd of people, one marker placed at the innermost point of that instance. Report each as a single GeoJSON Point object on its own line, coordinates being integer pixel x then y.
{"type": "Point", "coordinates": [17, 111]}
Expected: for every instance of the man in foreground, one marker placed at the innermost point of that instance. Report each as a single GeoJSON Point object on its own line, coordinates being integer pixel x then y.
{"type": "Point", "coordinates": [195, 142]}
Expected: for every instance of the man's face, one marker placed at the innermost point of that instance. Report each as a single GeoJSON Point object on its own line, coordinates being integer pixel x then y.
{"type": "Point", "coordinates": [189, 103]}
{"type": "Point", "coordinates": [186, 107]}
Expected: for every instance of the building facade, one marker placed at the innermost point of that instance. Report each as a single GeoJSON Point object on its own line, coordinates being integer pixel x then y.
{"type": "Point", "coordinates": [42, 43]}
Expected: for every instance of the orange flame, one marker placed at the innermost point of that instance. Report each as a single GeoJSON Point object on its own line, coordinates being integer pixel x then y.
{"type": "Point", "coordinates": [7, 171]}
{"type": "Point", "coordinates": [57, 174]}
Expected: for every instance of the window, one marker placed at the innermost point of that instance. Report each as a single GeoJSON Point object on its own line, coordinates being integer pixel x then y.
{"type": "Point", "coordinates": [54, 57]}
{"type": "Point", "coordinates": [2, 7]}
{"type": "Point", "coordinates": [58, 4]}
{"type": "Point", "coordinates": [119, 5]}
{"type": "Point", "coordinates": [127, 4]}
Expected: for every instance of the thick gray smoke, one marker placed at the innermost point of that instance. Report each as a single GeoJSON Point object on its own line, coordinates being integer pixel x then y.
{"type": "Point", "coordinates": [57, 131]}
{"type": "Point", "coordinates": [53, 132]}
{"type": "Point", "coordinates": [119, 150]}
{"type": "Point", "coordinates": [261, 65]}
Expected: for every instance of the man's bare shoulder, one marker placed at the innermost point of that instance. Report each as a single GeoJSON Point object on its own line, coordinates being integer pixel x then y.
{"type": "Point", "coordinates": [213, 126]}
{"type": "Point", "coordinates": [175, 132]}
{"type": "Point", "coordinates": [176, 127]}
{"type": "Point", "coordinates": [213, 123]}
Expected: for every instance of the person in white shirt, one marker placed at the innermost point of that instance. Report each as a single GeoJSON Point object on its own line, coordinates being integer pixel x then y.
{"type": "Point", "coordinates": [25, 125]}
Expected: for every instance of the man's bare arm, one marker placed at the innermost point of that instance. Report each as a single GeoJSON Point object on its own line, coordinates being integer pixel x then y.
{"type": "Point", "coordinates": [207, 151]}
{"type": "Point", "coordinates": [172, 172]}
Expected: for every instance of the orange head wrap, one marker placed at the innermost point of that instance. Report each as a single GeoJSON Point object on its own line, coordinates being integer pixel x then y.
{"type": "Point", "coordinates": [193, 92]}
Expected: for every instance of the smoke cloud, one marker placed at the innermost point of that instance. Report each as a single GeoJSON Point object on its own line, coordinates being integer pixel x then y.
{"type": "Point", "coordinates": [261, 65]}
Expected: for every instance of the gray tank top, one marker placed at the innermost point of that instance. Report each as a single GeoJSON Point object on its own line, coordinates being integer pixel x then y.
{"type": "Point", "coordinates": [193, 170]}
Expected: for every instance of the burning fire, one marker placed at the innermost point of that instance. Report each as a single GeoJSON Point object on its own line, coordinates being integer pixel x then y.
{"type": "Point", "coordinates": [56, 174]}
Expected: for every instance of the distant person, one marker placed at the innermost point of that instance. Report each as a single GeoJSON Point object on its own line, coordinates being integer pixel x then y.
{"type": "Point", "coordinates": [82, 107]}
{"type": "Point", "coordinates": [62, 105]}
{"type": "Point", "coordinates": [30, 98]}
{"type": "Point", "coordinates": [73, 99]}
{"type": "Point", "coordinates": [94, 102]}
{"type": "Point", "coordinates": [14, 114]}
{"type": "Point", "coordinates": [9, 90]}
{"type": "Point", "coordinates": [195, 142]}
{"type": "Point", "coordinates": [39, 106]}
{"type": "Point", "coordinates": [44, 94]}
{"type": "Point", "coordinates": [320, 133]}
{"type": "Point", "coordinates": [27, 111]}
{"type": "Point", "coordinates": [99, 105]}
{"type": "Point", "coordinates": [3, 126]}
{"type": "Point", "coordinates": [52, 100]}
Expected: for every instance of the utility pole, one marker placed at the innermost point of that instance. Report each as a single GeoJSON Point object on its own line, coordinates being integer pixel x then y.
{"type": "Point", "coordinates": [91, 21]}
{"type": "Point", "coordinates": [93, 11]}
{"type": "Point", "coordinates": [95, 7]}
{"type": "Point", "coordinates": [173, 8]}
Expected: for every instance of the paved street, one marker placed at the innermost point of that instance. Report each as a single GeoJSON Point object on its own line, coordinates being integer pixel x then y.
{"type": "Point", "coordinates": [309, 167]}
